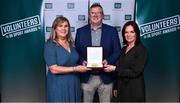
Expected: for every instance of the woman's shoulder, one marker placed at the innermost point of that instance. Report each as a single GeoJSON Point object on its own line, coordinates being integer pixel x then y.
{"type": "Point", "coordinates": [141, 47]}
{"type": "Point", "coordinates": [124, 47]}
{"type": "Point", "coordinates": [50, 44]}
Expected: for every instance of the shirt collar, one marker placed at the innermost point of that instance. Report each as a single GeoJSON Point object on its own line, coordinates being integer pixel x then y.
{"type": "Point", "coordinates": [99, 27]}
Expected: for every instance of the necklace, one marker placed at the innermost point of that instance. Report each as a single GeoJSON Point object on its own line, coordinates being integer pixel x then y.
{"type": "Point", "coordinates": [129, 47]}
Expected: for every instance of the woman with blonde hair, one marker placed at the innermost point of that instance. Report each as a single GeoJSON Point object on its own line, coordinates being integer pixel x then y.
{"type": "Point", "coordinates": [63, 83]}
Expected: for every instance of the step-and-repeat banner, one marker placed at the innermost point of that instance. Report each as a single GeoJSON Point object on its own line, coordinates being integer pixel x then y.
{"type": "Point", "coordinates": [74, 10]}
{"type": "Point", "coordinates": [25, 25]}
{"type": "Point", "coordinates": [117, 12]}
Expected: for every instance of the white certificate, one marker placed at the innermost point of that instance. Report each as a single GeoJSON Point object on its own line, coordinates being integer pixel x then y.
{"type": "Point", "coordinates": [94, 57]}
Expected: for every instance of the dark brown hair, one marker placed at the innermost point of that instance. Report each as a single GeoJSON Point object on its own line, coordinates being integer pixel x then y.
{"type": "Point", "coordinates": [136, 30]}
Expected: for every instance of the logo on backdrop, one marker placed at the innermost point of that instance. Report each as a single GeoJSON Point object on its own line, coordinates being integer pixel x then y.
{"type": "Point", "coordinates": [81, 17]}
{"type": "Point", "coordinates": [20, 27]}
{"type": "Point", "coordinates": [70, 5]}
{"type": "Point", "coordinates": [48, 5]}
{"type": "Point", "coordinates": [117, 5]}
{"type": "Point", "coordinates": [159, 27]}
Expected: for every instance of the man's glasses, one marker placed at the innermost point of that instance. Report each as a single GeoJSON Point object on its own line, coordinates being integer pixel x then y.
{"type": "Point", "coordinates": [95, 13]}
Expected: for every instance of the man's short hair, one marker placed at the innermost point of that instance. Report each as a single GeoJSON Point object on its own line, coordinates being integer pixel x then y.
{"type": "Point", "coordinates": [96, 5]}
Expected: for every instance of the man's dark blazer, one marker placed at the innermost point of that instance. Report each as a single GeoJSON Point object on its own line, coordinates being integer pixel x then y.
{"type": "Point", "coordinates": [111, 48]}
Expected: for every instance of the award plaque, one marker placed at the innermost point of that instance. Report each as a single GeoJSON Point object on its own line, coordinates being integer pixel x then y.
{"type": "Point", "coordinates": [94, 57]}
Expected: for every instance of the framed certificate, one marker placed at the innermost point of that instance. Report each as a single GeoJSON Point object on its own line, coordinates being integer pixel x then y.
{"type": "Point", "coordinates": [94, 57]}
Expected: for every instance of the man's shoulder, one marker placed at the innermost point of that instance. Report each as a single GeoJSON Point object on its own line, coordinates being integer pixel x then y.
{"type": "Point", "coordinates": [107, 26]}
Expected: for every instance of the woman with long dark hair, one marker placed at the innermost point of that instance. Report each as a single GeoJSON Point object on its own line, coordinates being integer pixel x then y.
{"type": "Point", "coordinates": [130, 84]}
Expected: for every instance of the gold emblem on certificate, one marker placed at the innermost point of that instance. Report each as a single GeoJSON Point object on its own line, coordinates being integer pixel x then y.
{"type": "Point", "coordinates": [94, 65]}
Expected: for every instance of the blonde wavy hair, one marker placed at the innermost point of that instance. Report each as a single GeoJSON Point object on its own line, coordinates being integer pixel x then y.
{"type": "Point", "coordinates": [53, 34]}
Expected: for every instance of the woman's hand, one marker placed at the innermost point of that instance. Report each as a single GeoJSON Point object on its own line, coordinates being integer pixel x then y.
{"type": "Point", "coordinates": [81, 68]}
{"type": "Point", "coordinates": [109, 68]}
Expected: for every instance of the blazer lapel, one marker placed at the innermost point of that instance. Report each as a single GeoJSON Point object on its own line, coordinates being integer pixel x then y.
{"type": "Point", "coordinates": [103, 35]}
{"type": "Point", "coordinates": [89, 39]}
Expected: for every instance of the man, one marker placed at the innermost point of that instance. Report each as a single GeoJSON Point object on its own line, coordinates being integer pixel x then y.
{"type": "Point", "coordinates": [97, 34]}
